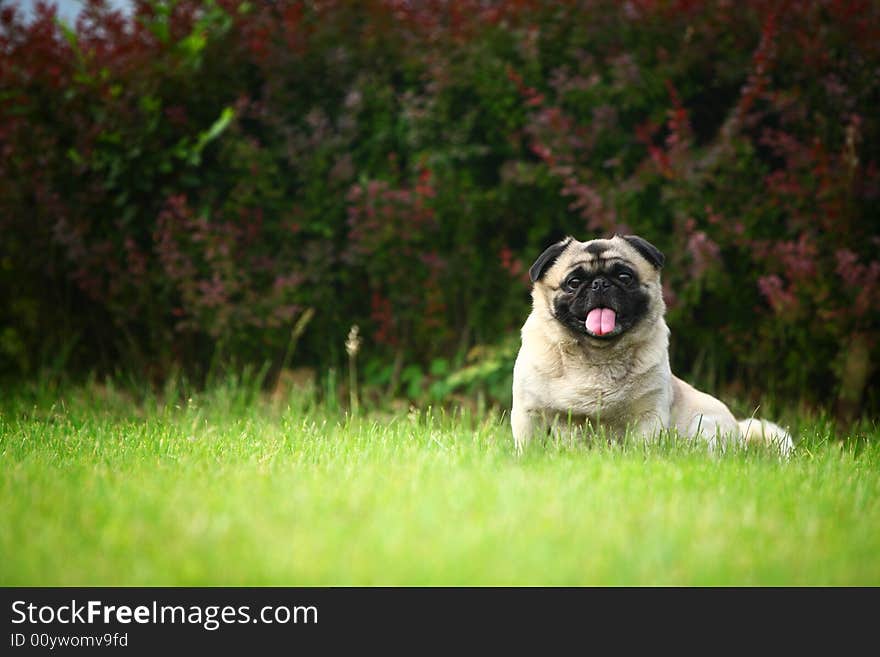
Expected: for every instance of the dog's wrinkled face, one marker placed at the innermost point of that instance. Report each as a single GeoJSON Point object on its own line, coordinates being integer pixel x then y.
{"type": "Point", "coordinates": [600, 289]}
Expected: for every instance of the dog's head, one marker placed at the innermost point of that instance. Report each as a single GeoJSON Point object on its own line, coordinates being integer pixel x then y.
{"type": "Point", "coordinates": [601, 289]}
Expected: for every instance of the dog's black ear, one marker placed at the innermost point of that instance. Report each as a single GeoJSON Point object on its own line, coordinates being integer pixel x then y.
{"type": "Point", "coordinates": [647, 250]}
{"type": "Point", "coordinates": [546, 259]}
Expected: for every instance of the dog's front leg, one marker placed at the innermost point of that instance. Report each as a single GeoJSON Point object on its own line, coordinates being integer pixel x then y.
{"type": "Point", "coordinates": [526, 424]}
{"type": "Point", "coordinates": [650, 424]}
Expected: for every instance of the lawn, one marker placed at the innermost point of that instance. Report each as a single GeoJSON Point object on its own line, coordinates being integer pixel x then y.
{"type": "Point", "coordinates": [228, 488]}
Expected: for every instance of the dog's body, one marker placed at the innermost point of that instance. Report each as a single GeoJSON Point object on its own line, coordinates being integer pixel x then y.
{"type": "Point", "coordinates": [595, 351]}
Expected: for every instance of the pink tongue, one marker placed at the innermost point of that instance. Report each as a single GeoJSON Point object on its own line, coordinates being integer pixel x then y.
{"type": "Point", "coordinates": [601, 321]}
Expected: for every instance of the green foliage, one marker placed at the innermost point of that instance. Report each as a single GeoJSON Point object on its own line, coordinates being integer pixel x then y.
{"type": "Point", "coordinates": [181, 185]}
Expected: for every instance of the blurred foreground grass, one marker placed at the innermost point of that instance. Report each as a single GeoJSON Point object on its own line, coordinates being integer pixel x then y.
{"type": "Point", "coordinates": [227, 488]}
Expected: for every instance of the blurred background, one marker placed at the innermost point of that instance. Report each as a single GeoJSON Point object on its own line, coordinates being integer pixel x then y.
{"type": "Point", "coordinates": [194, 188]}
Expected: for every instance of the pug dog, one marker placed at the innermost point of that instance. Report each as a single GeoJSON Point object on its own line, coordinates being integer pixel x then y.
{"type": "Point", "coordinates": [595, 352]}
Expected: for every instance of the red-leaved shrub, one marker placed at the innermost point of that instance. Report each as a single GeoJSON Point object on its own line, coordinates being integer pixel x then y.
{"type": "Point", "coordinates": [178, 183]}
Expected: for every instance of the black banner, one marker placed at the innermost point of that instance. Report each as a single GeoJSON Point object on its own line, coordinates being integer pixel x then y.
{"type": "Point", "coordinates": [136, 620]}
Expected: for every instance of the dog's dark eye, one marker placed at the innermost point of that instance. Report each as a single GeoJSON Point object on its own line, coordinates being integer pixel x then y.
{"type": "Point", "coordinates": [572, 284]}
{"type": "Point", "coordinates": [625, 277]}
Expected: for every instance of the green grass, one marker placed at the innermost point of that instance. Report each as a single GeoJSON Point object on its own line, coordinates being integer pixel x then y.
{"type": "Point", "coordinates": [226, 489]}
